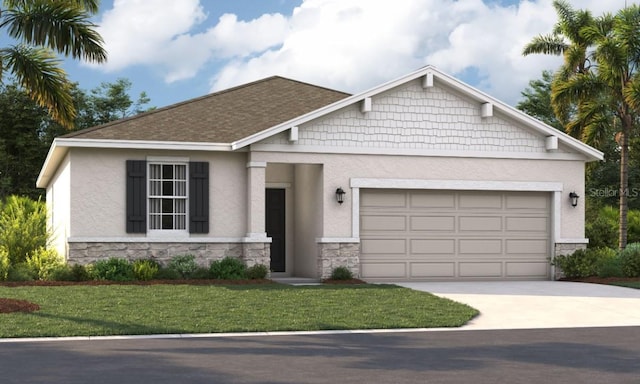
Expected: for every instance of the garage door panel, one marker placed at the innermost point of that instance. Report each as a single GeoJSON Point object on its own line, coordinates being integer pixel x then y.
{"type": "Point", "coordinates": [433, 270]}
{"type": "Point", "coordinates": [527, 224]}
{"type": "Point", "coordinates": [528, 201]}
{"type": "Point", "coordinates": [431, 200]}
{"type": "Point", "coordinates": [480, 201]}
{"type": "Point", "coordinates": [480, 223]}
{"type": "Point", "coordinates": [527, 269]}
{"type": "Point", "coordinates": [384, 246]}
{"type": "Point", "coordinates": [433, 246]}
{"type": "Point", "coordinates": [384, 270]}
{"type": "Point", "coordinates": [384, 200]}
{"type": "Point", "coordinates": [385, 223]}
{"type": "Point", "coordinates": [432, 223]}
{"type": "Point", "coordinates": [488, 269]}
{"type": "Point", "coordinates": [480, 246]}
{"type": "Point", "coordinates": [430, 235]}
{"type": "Point", "coordinates": [528, 246]}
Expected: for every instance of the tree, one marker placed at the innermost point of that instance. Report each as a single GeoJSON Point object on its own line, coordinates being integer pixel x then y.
{"type": "Point", "coordinates": [22, 151]}
{"type": "Point", "coordinates": [602, 89]}
{"type": "Point", "coordinates": [42, 29]}
{"type": "Point", "coordinates": [26, 130]}
{"type": "Point", "coordinates": [536, 101]}
{"type": "Point", "coordinates": [109, 102]}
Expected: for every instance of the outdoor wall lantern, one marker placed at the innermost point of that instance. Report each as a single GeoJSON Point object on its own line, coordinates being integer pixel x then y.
{"type": "Point", "coordinates": [340, 195]}
{"type": "Point", "coordinates": [574, 199]}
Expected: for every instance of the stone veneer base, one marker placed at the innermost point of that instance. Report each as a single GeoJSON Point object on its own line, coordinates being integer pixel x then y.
{"type": "Point", "coordinates": [563, 249]}
{"type": "Point", "coordinates": [89, 252]}
{"type": "Point", "coordinates": [332, 255]}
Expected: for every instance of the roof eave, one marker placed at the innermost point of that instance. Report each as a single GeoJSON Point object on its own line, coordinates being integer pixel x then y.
{"type": "Point", "coordinates": [61, 145]}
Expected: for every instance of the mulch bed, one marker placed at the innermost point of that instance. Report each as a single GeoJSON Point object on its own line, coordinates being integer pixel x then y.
{"type": "Point", "coordinates": [13, 305]}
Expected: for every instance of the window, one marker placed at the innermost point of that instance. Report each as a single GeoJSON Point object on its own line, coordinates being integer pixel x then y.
{"type": "Point", "coordinates": [167, 196]}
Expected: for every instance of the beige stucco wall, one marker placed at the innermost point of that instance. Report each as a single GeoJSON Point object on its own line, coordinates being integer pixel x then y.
{"type": "Point", "coordinates": [98, 182]}
{"type": "Point", "coordinates": [338, 169]}
{"type": "Point", "coordinates": [308, 217]}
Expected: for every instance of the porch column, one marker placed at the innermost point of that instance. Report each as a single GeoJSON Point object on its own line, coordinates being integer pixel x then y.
{"type": "Point", "coordinates": [256, 171]}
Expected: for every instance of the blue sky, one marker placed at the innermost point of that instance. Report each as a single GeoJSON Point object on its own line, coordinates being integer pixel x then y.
{"type": "Point", "coordinates": [177, 50]}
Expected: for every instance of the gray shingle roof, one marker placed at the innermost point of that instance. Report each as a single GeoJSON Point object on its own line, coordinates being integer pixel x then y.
{"type": "Point", "coordinates": [221, 117]}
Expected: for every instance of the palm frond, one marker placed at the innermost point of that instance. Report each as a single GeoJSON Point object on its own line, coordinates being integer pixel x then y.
{"type": "Point", "coordinates": [63, 26]}
{"type": "Point", "coordinates": [546, 44]}
{"type": "Point", "coordinates": [39, 72]}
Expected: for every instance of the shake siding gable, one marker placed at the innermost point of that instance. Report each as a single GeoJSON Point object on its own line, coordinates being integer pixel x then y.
{"type": "Point", "coordinates": [136, 196]}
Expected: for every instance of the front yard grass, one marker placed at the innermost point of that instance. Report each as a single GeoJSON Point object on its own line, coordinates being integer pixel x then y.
{"type": "Point", "coordinates": [628, 284]}
{"type": "Point", "coordinates": [166, 309]}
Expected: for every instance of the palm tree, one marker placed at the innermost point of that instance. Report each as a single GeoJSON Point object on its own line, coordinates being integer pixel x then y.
{"type": "Point", "coordinates": [42, 29]}
{"type": "Point", "coordinates": [603, 90]}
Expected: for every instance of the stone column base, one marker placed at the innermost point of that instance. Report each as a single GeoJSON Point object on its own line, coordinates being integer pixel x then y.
{"type": "Point", "coordinates": [564, 249]}
{"type": "Point", "coordinates": [332, 255]}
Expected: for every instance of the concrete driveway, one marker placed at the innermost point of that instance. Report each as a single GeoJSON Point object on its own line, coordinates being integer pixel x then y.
{"type": "Point", "coordinates": [541, 304]}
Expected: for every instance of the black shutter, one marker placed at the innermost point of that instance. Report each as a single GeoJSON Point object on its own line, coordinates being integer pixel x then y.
{"type": "Point", "coordinates": [136, 196]}
{"type": "Point", "coordinates": [198, 197]}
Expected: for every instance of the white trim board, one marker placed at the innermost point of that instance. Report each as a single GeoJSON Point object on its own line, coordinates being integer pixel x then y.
{"type": "Point", "coordinates": [457, 185]}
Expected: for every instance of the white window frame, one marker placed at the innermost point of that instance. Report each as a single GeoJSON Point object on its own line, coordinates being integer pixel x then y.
{"type": "Point", "coordinates": [152, 161]}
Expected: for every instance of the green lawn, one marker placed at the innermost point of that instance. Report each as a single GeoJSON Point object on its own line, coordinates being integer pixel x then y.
{"type": "Point", "coordinates": [629, 284]}
{"type": "Point", "coordinates": [161, 309]}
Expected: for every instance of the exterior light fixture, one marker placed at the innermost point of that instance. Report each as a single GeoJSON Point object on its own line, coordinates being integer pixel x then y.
{"type": "Point", "coordinates": [340, 195]}
{"type": "Point", "coordinates": [574, 198]}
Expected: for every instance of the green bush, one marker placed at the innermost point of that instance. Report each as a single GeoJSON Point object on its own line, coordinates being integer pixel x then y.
{"type": "Point", "coordinates": [581, 263]}
{"type": "Point", "coordinates": [602, 232]}
{"type": "Point", "coordinates": [341, 273]}
{"type": "Point", "coordinates": [61, 272]}
{"type": "Point", "coordinates": [145, 269]}
{"type": "Point", "coordinates": [185, 265]}
{"type": "Point", "coordinates": [20, 272]}
{"type": "Point", "coordinates": [23, 227]}
{"type": "Point", "coordinates": [167, 274]}
{"type": "Point", "coordinates": [4, 263]}
{"type": "Point", "coordinates": [80, 272]}
{"type": "Point", "coordinates": [630, 260]}
{"type": "Point", "coordinates": [42, 261]}
{"type": "Point", "coordinates": [114, 269]}
{"type": "Point", "coordinates": [257, 271]}
{"type": "Point", "coordinates": [229, 268]}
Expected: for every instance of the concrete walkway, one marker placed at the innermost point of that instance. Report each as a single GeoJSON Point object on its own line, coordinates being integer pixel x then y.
{"type": "Point", "coordinates": [541, 304]}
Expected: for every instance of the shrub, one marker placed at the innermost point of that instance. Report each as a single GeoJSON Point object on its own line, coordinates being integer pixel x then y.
{"type": "Point", "coordinates": [341, 273]}
{"type": "Point", "coordinates": [20, 272]}
{"type": "Point", "coordinates": [167, 274]}
{"type": "Point", "coordinates": [79, 273]}
{"type": "Point", "coordinates": [602, 232]}
{"type": "Point", "coordinates": [42, 261]}
{"type": "Point", "coordinates": [61, 272]}
{"type": "Point", "coordinates": [257, 271]}
{"type": "Point", "coordinates": [114, 269]}
{"type": "Point", "coordinates": [145, 269]}
{"type": "Point", "coordinates": [23, 227]}
{"type": "Point", "coordinates": [630, 260]}
{"type": "Point", "coordinates": [229, 268]}
{"type": "Point", "coordinates": [4, 263]}
{"type": "Point", "coordinates": [185, 265]}
{"type": "Point", "coordinates": [581, 263]}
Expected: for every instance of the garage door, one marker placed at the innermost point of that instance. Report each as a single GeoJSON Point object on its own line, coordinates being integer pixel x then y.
{"type": "Point", "coordinates": [437, 235]}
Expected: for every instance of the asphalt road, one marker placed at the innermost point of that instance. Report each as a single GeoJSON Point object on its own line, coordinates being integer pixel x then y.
{"type": "Point", "coordinates": [575, 355]}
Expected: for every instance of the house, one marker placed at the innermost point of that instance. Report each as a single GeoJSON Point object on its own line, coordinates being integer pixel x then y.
{"type": "Point", "coordinates": [420, 178]}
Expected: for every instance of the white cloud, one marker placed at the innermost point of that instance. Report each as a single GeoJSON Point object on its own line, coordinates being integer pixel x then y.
{"type": "Point", "coordinates": [159, 34]}
{"type": "Point", "coordinates": [353, 45]}
{"type": "Point", "coordinates": [349, 45]}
